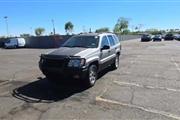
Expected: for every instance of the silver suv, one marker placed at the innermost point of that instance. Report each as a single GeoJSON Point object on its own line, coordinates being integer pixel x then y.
{"type": "Point", "coordinates": [82, 57]}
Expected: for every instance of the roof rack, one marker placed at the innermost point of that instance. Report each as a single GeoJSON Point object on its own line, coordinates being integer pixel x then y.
{"type": "Point", "coordinates": [94, 33]}
{"type": "Point", "coordinates": [85, 33]}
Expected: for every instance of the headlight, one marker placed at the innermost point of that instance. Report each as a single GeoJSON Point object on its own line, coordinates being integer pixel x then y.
{"type": "Point", "coordinates": [76, 63]}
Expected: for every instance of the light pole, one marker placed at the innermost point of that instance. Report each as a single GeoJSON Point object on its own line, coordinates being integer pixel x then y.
{"type": "Point", "coordinates": [132, 28]}
{"type": "Point", "coordinates": [54, 30]}
{"type": "Point", "coordinates": [140, 26]}
{"type": "Point", "coordinates": [31, 31]}
{"type": "Point", "coordinates": [6, 21]}
{"type": "Point", "coordinates": [84, 29]}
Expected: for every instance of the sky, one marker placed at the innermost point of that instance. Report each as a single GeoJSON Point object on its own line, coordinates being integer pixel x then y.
{"type": "Point", "coordinates": [26, 15]}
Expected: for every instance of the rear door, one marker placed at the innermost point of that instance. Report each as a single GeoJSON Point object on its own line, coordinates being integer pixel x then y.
{"type": "Point", "coordinates": [113, 47]}
{"type": "Point", "coordinates": [118, 44]}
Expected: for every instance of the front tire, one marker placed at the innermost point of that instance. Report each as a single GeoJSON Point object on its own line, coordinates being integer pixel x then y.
{"type": "Point", "coordinates": [92, 76]}
{"type": "Point", "coordinates": [15, 46]}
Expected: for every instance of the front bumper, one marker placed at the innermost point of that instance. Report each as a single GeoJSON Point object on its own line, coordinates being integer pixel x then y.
{"type": "Point", "coordinates": [168, 38]}
{"type": "Point", "coordinates": [145, 39]}
{"type": "Point", "coordinates": [157, 39]}
{"type": "Point", "coordinates": [65, 71]}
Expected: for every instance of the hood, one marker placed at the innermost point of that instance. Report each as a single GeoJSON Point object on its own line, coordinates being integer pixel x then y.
{"type": "Point", "coordinates": [66, 51]}
{"type": "Point", "coordinates": [87, 52]}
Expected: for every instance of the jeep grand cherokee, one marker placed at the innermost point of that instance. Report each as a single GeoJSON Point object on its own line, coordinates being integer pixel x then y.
{"type": "Point", "coordinates": [82, 56]}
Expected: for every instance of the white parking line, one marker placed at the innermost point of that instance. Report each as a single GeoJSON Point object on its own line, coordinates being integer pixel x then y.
{"type": "Point", "coordinates": [176, 64]}
{"type": "Point", "coordinates": [4, 82]}
{"type": "Point", "coordinates": [163, 113]}
{"type": "Point", "coordinates": [145, 86]}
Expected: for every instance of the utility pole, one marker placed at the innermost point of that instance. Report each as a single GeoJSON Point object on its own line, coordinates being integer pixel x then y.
{"type": "Point", "coordinates": [132, 28]}
{"type": "Point", "coordinates": [140, 26]}
{"type": "Point", "coordinates": [31, 31]}
{"type": "Point", "coordinates": [90, 30]}
{"type": "Point", "coordinates": [84, 29]}
{"type": "Point", "coordinates": [54, 30]}
{"type": "Point", "coordinates": [6, 21]}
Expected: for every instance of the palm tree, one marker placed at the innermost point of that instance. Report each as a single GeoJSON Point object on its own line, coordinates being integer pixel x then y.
{"type": "Point", "coordinates": [39, 31]}
{"type": "Point", "coordinates": [69, 27]}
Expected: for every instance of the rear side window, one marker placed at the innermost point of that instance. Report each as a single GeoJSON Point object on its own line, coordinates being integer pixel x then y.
{"type": "Point", "coordinates": [111, 40]}
{"type": "Point", "coordinates": [104, 41]}
{"type": "Point", "coordinates": [116, 39]}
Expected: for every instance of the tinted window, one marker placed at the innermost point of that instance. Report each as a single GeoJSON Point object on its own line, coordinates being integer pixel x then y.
{"type": "Point", "coordinates": [111, 40]}
{"type": "Point", "coordinates": [116, 39]}
{"type": "Point", "coordinates": [104, 41]}
{"type": "Point", "coordinates": [169, 35]}
{"type": "Point", "coordinates": [146, 35]}
{"type": "Point", "coordinates": [82, 41]}
{"type": "Point", "coordinates": [7, 41]}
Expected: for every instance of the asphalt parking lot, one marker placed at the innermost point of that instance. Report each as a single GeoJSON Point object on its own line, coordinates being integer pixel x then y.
{"type": "Point", "coordinates": [145, 87]}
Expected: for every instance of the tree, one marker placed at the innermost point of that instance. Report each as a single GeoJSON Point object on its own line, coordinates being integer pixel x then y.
{"type": "Point", "coordinates": [104, 29]}
{"type": "Point", "coordinates": [69, 27]}
{"type": "Point", "coordinates": [153, 31]}
{"type": "Point", "coordinates": [121, 25]}
{"type": "Point", "coordinates": [126, 31]}
{"type": "Point", "coordinates": [39, 31]}
{"type": "Point", "coordinates": [25, 35]}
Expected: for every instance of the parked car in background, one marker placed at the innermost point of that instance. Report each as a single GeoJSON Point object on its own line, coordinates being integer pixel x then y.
{"type": "Point", "coordinates": [169, 36]}
{"type": "Point", "coordinates": [146, 38]}
{"type": "Point", "coordinates": [157, 38]}
{"type": "Point", "coordinates": [177, 37]}
{"type": "Point", "coordinates": [163, 36]}
{"type": "Point", "coordinates": [15, 43]}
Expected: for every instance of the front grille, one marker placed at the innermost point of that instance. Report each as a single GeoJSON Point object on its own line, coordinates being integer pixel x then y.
{"type": "Point", "coordinates": [54, 63]}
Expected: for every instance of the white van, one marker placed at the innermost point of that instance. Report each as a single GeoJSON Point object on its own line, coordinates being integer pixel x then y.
{"type": "Point", "coordinates": [15, 43]}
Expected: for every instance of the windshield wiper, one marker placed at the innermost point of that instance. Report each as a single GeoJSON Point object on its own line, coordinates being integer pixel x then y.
{"type": "Point", "coordinates": [66, 46]}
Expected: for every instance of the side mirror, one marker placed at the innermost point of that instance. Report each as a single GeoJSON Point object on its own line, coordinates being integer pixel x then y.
{"type": "Point", "coordinates": [105, 47]}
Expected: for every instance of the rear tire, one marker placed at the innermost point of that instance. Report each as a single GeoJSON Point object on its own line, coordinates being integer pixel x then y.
{"type": "Point", "coordinates": [115, 65]}
{"type": "Point", "coordinates": [91, 76]}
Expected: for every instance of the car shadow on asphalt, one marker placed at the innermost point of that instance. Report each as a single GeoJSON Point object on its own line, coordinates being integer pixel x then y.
{"type": "Point", "coordinates": [43, 91]}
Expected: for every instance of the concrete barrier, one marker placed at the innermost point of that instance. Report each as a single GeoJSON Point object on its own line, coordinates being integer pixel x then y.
{"type": "Point", "coordinates": [46, 41]}
{"type": "Point", "coordinates": [128, 37]}
{"type": "Point", "coordinates": [57, 41]}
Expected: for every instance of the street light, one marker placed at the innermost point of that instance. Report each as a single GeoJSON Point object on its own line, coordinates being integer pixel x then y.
{"type": "Point", "coordinates": [54, 30]}
{"type": "Point", "coordinates": [31, 31]}
{"type": "Point", "coordinates": [6, 21]}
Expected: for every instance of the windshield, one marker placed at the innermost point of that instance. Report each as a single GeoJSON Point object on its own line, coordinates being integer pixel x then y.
{"type": "Point", "coordinates": [7, 41]}
{"type": "Point", "coordinates": [146, 36]}
{"type": "Point", "coordinates": [82, 41]}
{"type": "Point", "coordinates": [157, 35]}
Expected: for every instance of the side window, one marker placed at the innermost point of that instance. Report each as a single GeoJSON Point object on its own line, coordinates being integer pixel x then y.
{"type": "Point", "coordinates": [104, 41]}
{"type": "Point", "coordinates": [116, 39]}
{"type": "Point", "coordinates": [111, 40]}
